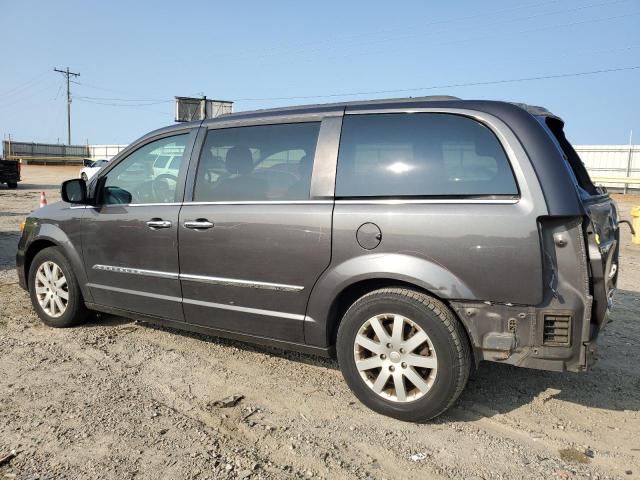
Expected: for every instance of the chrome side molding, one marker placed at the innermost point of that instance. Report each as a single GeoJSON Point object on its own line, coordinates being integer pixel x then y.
{"type": "Point", "coordinates": [236, 308]}
{"type": "Point", "coordinates": [419, 201]}
{"type": "Point", "coordinates": [136, 271]}
{"type": "Point", "coordinates": [231, 282]}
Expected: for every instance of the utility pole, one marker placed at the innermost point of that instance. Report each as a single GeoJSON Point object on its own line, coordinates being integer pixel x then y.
{"type": "Point", "coordinates": [68, 74]}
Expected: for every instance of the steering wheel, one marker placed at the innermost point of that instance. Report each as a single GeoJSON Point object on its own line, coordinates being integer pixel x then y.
{"type": "Point", "coordinates": [161, 190]}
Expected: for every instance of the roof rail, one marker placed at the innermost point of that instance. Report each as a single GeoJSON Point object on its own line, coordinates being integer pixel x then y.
{"type": "Point", "coordinates": [430, 98]}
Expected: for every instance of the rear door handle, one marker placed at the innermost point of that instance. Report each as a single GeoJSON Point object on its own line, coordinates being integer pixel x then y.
{"type": "Point", "coordinates": [156, 223]}
{"type": "Point", "coordinates": [199, 224]}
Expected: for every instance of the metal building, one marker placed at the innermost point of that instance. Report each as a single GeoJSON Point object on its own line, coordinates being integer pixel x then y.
{"type": "Point", "coordinates": [189, 108]}
{"type": "Point", "coordinates": [30, 152]}
{"type": "Point", "coordinates": [105, 151]}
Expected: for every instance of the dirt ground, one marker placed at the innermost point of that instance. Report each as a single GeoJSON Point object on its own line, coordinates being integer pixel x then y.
{"type": "Point", "coordinates": [118, 399]}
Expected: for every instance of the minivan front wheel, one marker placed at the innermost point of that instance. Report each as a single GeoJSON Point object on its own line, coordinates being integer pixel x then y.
{"type": "Point", "coordinates": [54, 290]}
{"type": "Point", "coordinates": [403, 354]}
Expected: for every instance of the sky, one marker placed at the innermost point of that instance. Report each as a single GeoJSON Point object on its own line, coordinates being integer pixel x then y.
{"type": "Point", "coordinates": [134, 57]}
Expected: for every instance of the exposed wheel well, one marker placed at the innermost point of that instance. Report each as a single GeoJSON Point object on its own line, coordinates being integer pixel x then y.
{"type": "Point", "coordinates": [350, 294]}
{"type": "Point", "coordinates": [33, 250]}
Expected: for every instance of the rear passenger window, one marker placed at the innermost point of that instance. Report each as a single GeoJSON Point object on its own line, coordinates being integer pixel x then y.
{"type": "Point", "coordinates": [258, 163]}
{"type": "Point", "coordinates": [420, 154]}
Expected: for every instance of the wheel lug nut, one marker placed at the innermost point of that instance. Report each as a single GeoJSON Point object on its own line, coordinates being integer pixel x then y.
{"type": "Point", "coordinates": [402, 350]}
{"type": "Point", "coordinates": [404, 364]}
{"type": "Point", "coordinates": [383, 356]}
{"type": "Point", "coordinates": [388, 345]}
{"type": "Point", "coordinates": [391, 368]}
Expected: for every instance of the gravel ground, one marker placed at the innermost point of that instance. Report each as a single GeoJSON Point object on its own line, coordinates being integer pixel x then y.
{"type": "Point", "coordinates": [120, 399]}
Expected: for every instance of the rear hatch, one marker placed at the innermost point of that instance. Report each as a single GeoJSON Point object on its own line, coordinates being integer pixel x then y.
{"type": "Point", "coordinates": [601, 228]}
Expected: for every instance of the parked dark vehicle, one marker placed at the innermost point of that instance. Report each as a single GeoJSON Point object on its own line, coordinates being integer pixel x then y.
{"type": "Point", "coordinates": [10, 172]}
{"type": "Point", "coordinates": [412, 238]}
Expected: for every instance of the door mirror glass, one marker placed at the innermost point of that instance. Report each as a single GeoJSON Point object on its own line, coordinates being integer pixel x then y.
{"type": "Point", "coordinates": [74, 191]}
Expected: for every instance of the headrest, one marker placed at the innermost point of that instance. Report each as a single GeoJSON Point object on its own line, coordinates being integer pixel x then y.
{"type": "Point", "coordinates": [212, 161]}
{"type": "Point", "coordinates": [306, 165]}
{"type": "Point", "coordinates": [239, 160]}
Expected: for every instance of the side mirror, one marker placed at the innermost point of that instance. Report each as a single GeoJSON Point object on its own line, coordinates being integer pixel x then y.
{"type": "Point", "coordinates": [74, 191]}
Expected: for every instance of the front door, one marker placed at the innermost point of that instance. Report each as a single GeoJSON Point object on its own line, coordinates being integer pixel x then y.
{"type": "Point", "coordinates": [252, 243]}
{"type": "Point", "coordinates": [130, 241]}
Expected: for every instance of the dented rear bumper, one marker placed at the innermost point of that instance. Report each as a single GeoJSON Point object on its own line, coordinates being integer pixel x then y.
{"type": "Point", "coordinates": [560, 333]}
{"type": "Point", "coordinates": [516, 336]}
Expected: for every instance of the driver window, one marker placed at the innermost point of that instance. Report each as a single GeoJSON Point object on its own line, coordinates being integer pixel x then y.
{"type": "Point", "coordinates": [148, 175]}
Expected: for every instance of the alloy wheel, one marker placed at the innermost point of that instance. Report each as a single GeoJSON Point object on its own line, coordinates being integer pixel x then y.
{"type": "Point", "coordinates": [52, 290]}
{"type": "Point", "coordinates": [395, 357]}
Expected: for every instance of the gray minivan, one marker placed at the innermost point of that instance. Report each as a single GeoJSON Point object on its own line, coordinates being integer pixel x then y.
{"type": "Point", "coordinates": [412, 238]}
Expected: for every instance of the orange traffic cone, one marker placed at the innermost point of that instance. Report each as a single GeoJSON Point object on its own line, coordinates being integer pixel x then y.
{"type": "Point", "coordinates": [43, 200]}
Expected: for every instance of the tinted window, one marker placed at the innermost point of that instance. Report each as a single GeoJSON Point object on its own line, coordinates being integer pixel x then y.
{"type": "Point", "coordinates": [420, 154]}
{"type": "Point", "coordinates": [140, 178]}
{"type": "Point", "coordinates": [266, 162]}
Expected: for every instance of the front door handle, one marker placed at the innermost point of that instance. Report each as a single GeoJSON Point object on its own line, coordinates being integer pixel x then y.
{"type": "Point", "coordinates": [156, 223]}
{"type": "Point", "coordinates": [199, 224]}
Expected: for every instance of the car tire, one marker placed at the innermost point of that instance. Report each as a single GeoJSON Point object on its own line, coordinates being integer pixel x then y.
{"type": "Point", "coordinates": [84, 177]}
{"type": "Point", "coordinates": [51, 278]}
{"type": "Point", "coordinates": [438, 359]}
{"type": "Point", "coordinates": [12, 185]}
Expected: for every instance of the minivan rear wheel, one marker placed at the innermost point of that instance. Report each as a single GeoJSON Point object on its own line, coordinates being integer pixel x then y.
{"type": "Point", "coordinates": [54, 290]}
{"type": "Point", "coordinates": [403, 354]}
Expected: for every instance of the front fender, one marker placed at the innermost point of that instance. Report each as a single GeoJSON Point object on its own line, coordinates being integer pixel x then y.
{"type": "Point", "coordinates": [418, 271]}
{"type": "Point", "coordinates": [67, 236]}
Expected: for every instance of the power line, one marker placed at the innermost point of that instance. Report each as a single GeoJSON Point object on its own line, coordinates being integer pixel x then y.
{"type": "Point", "coordinates": [600, 50]}
{"type": "Point", "coordinates": [83, 84]}
{"type": "Point", "coordinates": [25, 95]}
{"type": "Point", "coordinates": [452, 85]}
{"type": "Point", "coordinates": [118, 104]}
{"type": "Point", "coordinates": [155, 100]}
{"type": "Point", "coordinates": [361, 54]}
{"type": "Point", "coordinates": [385, 39]}
{"type": "Point", "coordinates": [25, 86]}
{"type": "Point", "coordinates": [68, 74]}
{"type": "Point", "coordinates": [59, 90]}
{"type": "Point", "coordinates": [140, 106]}
{"type": "Point", "coordinates": [301, 47]}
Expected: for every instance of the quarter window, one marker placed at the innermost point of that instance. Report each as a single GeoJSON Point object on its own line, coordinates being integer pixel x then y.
{"type": "Point", "coordinates": [420, 154]}
{"type": "Point", "coordinates": [148, 175]}
{"type": "Point", "coordinates": [265, 162]}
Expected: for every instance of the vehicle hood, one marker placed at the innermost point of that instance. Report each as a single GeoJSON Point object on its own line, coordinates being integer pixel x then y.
{"type": "Point", "coordinates": [51, 211]}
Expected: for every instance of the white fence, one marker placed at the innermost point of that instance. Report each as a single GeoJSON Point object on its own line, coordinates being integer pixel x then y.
{"type": "Point", "coordinates": [600, 160]}
{"type": "Point", "coordinates": [98, 152]}
{"type": "Point", "coordinates": [611, 161]}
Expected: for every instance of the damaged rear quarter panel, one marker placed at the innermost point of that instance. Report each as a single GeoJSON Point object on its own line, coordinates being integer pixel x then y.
{"type": "Point", "coordinates": [515, 334]}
